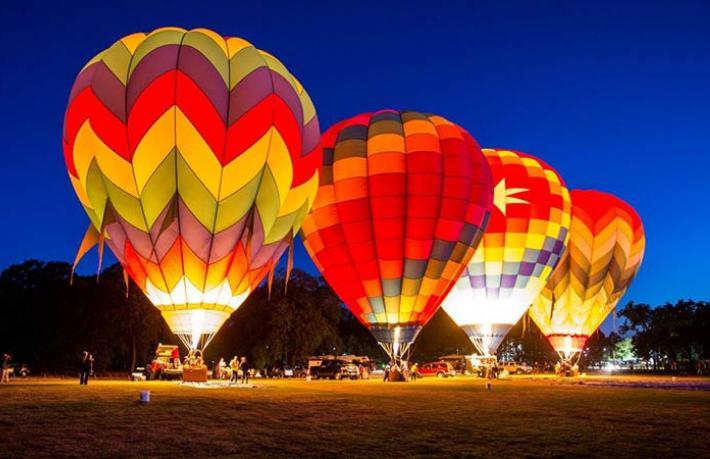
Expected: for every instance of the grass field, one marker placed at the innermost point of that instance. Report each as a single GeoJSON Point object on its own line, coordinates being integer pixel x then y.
{"type": "Point", "coordinates": [523, 417]}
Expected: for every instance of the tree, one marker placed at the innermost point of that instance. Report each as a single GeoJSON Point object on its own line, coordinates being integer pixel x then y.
{"type": "Point", "coordinates": [624, 349]}
{"type": "Point", "coordinates": [47, 322]}
{"type": "Point", "coordinates": [284, 327]}
{"type": "Point", "coordinates": [669, 332]}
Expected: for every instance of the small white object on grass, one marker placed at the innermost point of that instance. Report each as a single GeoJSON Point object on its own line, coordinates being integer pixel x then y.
{"type": "Point", "coordinates": [144, 396]}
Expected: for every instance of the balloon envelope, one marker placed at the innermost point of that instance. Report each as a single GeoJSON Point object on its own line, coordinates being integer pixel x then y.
{"type": "Point", "coordinates": [605, 250]}
{"type": "Point", "coordinates": [523, 242]}
{"type": "Point", "coordinates": [196, 159]}
{"type": "Point", "coordinates": [402, 204]}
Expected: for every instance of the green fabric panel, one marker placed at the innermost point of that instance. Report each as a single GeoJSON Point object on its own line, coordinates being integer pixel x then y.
{"type": "Point", "coordinates": [232, 209]}
{"type": "Point", "coordinates": [160, 189]}
{"type": "Point", "coordinates": [126, 206]}
{"type": "Point", "coordinates": [93, 217]}
{"type": "Point", "coordinates": [300, 216]}
{"type": "Point", "coordinates": [194, 194]}
{"type": "Point", "coordinates": [276, 66]}
{"type": "Point", "coordinates": [162, 38]}
{"type": "Point", "coordinates": [96, 191]}
{"type": "Point", "coordinates": [309, 110]}
{"type": "Point", "coordinates": [118, 58]}
{"type": "Point", "coordinates": [282, 226]}
{"type": "Point", "coordinates": [243, 63]}
{"type": "Point", "coordinates": [211, 50]}
{"type": "Point", "coordinates": [267, 200]}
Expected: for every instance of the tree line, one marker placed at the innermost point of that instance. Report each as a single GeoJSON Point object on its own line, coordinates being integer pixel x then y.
{"type": "Point", "coordinates": [46, 322]}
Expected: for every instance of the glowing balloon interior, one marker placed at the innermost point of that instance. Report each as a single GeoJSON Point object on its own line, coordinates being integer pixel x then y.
{"type": "Point", "coordinates": [403, 202]}
{"type": "Point", "coordinates": [523, 242]}
{"type": "Point", "coordinates": [604, 253]}
{"type": "Point", "coordinates": [196, 159]}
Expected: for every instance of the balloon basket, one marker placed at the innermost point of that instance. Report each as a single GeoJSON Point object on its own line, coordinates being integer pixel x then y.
{"type": "Point", "coordinates": [194, 375]}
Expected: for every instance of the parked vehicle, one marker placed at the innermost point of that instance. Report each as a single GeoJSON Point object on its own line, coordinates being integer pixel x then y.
{"type": "Point", "coordinates": [481, 363]}
{"type": "Point", "coordinates": [334, 369]}
{"type": "Point", "coordinates": [166, 363]}
{"type": "Point", "coordinates": [438, 369]}
{"type": "Point", "coordinates": [515, 368]}
{"type": "Point", "coordinates": [19, 369]}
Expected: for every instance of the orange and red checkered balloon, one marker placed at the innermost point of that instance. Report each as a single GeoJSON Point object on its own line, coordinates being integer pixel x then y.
{"type": "Point", "coordinates": [523, 243]}
{"type": "Point", "coordinates": [403, 201]}
{"type": "Point", "coordinates": [604, 252]}
{"type": "Point", "coordinates": [196, 158]}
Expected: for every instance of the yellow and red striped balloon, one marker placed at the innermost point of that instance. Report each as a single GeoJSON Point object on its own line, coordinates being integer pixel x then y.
{"type": "Point", "coordinates": [196, 158]}
{"type": "Point", "coordinates": [523, 243]}
{"type": "Point", "coordinates": [604, 252]}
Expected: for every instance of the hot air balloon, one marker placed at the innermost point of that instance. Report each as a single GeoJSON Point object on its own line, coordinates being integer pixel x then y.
{"type": "Point", "coordinates": [196, 158]}
{"type": "Point", "coordinates": [523, 242]}
{"type": "Point", "coordinates": [604, 252]}
{"type": "Point", "coordinates": [403, 201]}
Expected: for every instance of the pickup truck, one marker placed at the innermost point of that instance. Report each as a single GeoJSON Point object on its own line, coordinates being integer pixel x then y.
{"type": "Point", "coordinates": [334, 369]}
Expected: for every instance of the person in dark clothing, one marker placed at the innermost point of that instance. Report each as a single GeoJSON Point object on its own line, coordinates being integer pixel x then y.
{"type": "Point", "coordinates": [244, 366]}
{"type": "Point", "coordinates": [84, 368]}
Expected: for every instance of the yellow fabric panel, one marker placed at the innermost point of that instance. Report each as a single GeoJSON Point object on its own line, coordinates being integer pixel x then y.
{"type": "Point", "coordinates": [96, 192]}
{"type": "Point", "coordinates": [236, 205]}
{"type": "Point", "coordinates": [115, 168]}
{"type": "Point", "coordinates": [236, 44]}
{"type": "Point", "coordinates": [80, 192]}
{"type": "Point", "coordinates": [244, 168]}
{"type": "Point", "coordinates": [267, 200]}
{"type": "Point", "coordinates": [197, 154]}
{"type": "Point", "coordinates": [303, 193]}
{"type": "Point", "coordinates": [194, 194]}
{"type": "Point", "coordinates": [159, 190]}
{"type": "Point", "coordinates": [154, 147]}
{"type": "Point", "coordinates": [279, 161]}
{"type": "Point", "coordinates": [83, 151]}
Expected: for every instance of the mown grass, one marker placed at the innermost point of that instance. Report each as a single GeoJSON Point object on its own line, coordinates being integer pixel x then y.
{"type": "Point", "coordinates": [458, 417]}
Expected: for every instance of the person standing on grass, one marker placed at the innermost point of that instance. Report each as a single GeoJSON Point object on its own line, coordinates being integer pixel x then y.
{"type": "Point", "coordinates": [5, 367]}
{"type": "Point", "coordinates": [234, 365]}
{"type": "Point", "coordinates": [414, 371]}
{"type": "Point", "coordinates": [244, 366]}
{"type": "Point", "coordinates": [84, 368]}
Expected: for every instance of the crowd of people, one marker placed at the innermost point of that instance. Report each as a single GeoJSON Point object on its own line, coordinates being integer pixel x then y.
{"type": "Point", "coordinates": [193, 359]}
{"type": "Point", "coordinates": [399, 370]}
{"type": "Point", "coordinates": [237, 370]}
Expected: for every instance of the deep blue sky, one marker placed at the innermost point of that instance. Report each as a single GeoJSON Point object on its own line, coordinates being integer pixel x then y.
{"type": "Point", "coordinates": [616, 96]}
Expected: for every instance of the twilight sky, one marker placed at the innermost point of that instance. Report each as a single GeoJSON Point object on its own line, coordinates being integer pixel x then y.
{"type": "Point", "coordinates": [614, 95]}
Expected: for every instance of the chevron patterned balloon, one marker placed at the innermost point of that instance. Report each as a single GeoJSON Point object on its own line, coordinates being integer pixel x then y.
{"type": "Point", "coordinates": [604, 253]}
{"type": "Point", "coordinates": [196, 158]}
{"type": "Point", "coordinates": [523, 243]}
{"type": "Point", "coordinates": [403, 203]}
